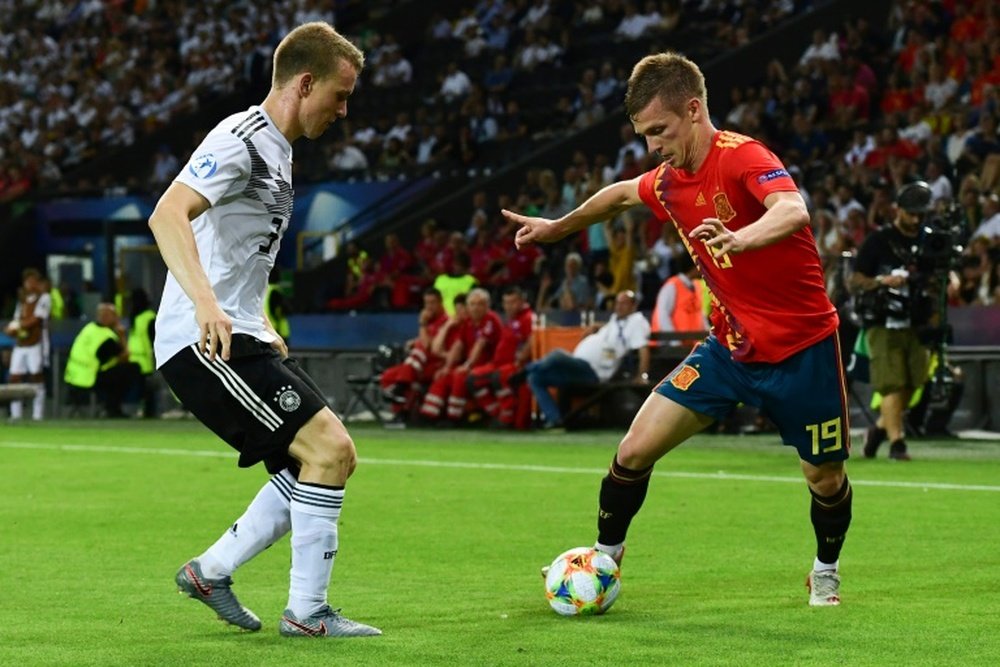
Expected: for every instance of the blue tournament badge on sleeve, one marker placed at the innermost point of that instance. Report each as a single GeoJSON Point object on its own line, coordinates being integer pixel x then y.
{"type": "Point", "coordinates": [771, 175]}
{"type": "Point", "coordinates": [204, 165]}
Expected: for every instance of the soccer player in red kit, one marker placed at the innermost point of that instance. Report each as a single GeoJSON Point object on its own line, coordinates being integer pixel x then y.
{"type": "Point", "coordinates": [774, 331]}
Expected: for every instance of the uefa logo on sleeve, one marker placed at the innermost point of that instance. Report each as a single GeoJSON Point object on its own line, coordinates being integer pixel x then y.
{"type": "Point", "coordinates": [203, 166]}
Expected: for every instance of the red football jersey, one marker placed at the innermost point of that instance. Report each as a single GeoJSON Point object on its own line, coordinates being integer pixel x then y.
{"type": "Point", "coordinates": [771, 302]}
{"type": "Point", "coordinates": [435, 325]}
{"type": "Point", "coordinates": [513, 335]}
{"type": "Point", "coordinates": [489, 329]}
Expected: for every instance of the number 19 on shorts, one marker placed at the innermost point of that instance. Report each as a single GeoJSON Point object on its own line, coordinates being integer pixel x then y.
{"type": "Point", "coordinates": [826, 437]}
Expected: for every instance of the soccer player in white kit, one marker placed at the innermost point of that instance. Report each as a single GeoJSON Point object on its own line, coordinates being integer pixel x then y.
{"type": "Point", "coordinates": [218, 227]}
{"type": "Point", "coordinates": [30, 330]}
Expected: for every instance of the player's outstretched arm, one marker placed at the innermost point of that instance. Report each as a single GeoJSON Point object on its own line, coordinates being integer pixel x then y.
{"type": "Point", "coordinates": [171, 226]}
{"type": "Point", "coordinates": [606, 203]}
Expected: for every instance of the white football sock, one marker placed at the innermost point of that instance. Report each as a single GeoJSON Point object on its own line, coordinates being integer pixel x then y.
{"type": "Point", "coordinates": [819, 566]}
{"type": "Point", "coordinates": [315, 509]}
{"type": "Point", "coordinates": [15, 409]}
{"type": "Point", "coordinates": [265, 520]}
{"type": "Point", "coordinates": [38, 407]}
{"type": "Point", "coordinates": [610, 549]}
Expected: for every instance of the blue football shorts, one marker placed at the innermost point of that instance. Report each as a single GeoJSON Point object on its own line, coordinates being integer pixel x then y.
{"type": "Point", "coordinates": [804, 395]}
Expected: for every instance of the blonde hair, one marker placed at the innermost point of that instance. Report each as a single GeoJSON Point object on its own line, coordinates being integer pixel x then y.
{"type": "Point", "coordinates": [668, 76]}
{"type": "Point", "coordinates": [315, 48]}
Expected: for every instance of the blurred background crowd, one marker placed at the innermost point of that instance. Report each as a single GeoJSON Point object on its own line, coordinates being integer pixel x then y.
{"type": "Point", "coordinates": [863, 109]}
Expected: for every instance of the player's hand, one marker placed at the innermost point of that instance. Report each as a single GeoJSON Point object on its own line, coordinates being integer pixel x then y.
{"type": "Point", "coordinates": [216, 329]}
{"type": "Point", "coordinates": [532, 230]}
{"type": "Point", "coordinates": [716, 237]}
{"type": "Point", "coordinates": [280, 346]}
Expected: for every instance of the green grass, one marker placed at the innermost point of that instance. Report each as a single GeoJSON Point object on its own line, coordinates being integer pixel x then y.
{"type": "Point", "coordinates": [96, 518]}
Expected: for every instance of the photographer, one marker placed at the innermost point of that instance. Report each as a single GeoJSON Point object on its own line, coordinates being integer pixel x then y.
{"type": "Point", "coordinates": [894, 301]}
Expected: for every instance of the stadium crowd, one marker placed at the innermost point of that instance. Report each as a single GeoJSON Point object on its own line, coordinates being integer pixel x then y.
{"type": "Point", "coordinates": [862, 112]}
{"type": "Point", "coordinates": [455, 94]}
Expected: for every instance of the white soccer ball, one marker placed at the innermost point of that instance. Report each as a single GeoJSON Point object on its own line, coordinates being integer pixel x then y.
{"type": "Point", "coordinates": [582, 582]}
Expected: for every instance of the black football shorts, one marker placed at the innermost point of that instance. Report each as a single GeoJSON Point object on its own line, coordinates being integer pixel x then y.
{"type": "Point", "coordinates": [256, 401]}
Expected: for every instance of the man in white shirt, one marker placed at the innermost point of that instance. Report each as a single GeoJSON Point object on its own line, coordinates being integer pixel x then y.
{"type": "Point", "coordinates": [596, 358]}
{"type": "Point", "coordinates": [990, 227]}
{"type": "Point", "coordinates": [218, 227]}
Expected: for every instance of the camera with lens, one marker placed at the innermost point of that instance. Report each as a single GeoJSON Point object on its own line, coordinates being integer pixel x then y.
{"type": "Point", "coordinates": [939, 245]}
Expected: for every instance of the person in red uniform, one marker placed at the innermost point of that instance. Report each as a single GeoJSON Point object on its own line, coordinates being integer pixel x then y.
{"type": "Point", "coordinates": [476, 343]}
{"type": "Point", "coordinates": [401, 382]}
{"type": "Point", "coordinates": [774, 331]}
{"type": "Point", "coordinates": [489, 382]}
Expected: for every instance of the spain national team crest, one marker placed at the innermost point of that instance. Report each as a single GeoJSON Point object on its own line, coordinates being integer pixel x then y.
{"type": "Point", "coordinates": [723, 209]}
{"type": "Point", "coordinates": [685, 377]}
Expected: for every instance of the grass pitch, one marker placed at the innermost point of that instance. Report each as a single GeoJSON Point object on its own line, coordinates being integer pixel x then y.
{"type": "Point", "coordinates": [441, 540]}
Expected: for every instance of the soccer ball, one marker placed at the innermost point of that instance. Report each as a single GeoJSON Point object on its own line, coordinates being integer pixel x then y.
{"type": "Point", "coordinates": [582, 582]}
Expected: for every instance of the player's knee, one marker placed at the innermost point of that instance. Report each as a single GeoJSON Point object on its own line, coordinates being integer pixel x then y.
{"type": "Point", "coordinates": [633, 452]}
{"type": "Point", "coordinates": [825, 479]}
{"type": "Point", "coordinates": [327, 446]}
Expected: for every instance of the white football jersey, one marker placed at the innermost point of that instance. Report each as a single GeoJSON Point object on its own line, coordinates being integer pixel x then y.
{"type": "Point", "coordinates": [244, 169]}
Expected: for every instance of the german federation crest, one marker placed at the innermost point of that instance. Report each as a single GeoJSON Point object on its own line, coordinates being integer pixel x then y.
{"type": "Point", "coordinates": [288, 399]}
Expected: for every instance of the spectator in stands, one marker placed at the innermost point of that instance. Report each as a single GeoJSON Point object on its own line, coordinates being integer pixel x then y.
{"type": "Point", "coordinates": [621, 248]}
{"type": "Point", "coordinates": [574, 291]}
{"type": "Point", "coordinates": [982, 143]}
{"type": "Point", "coordinates": [499, 76]}
{"type": "Point", "coordinates": [360, 289]}
{"type": "Point", "coordinates": [395, 272]}
{"type": "Point", "coordinates": [347, 158]}
{"type": "Point", "coordinates": [455, 84]}
{"type": "Point", "coordinates": [823, 49]}
{"type": "Point", "coordinates": [630, 144]}
{"type": "Point", "coordinates": [395, 71]}
{"type": "Point", "coordinates": [665, 250]}
{"type": "Point", "coordinates": [990, 227]}
{"type": "Point", "coordinates": [608, 87]}
{"type": "Point", "coordinates": [165, 167]}
{"type": "Point", "coordinates": [680, 303]}
{"type": "Point", "coordinates": [595, 359]}
{"type": "Point", "coordinates": [941, 189]}
{"type": "Point", "coordinates": [99, 360]}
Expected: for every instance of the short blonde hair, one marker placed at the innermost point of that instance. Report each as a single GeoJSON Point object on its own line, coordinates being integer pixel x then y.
{"type": "Point", "coordinates": [670, 77]}
{"type": "Point", "coordinates": [315, 48]}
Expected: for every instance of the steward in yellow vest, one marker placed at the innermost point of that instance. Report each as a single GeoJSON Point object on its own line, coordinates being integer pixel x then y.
{"type": "Point", "coordinates": [98, 360]}
{"type": "Point", "coordinates": [140, 347]}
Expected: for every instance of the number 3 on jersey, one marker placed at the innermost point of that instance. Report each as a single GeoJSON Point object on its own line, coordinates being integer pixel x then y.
{"type": "Point", "coordinates": [271, 237]}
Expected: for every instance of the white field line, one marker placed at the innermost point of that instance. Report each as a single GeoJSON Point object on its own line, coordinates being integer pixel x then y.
{"type": "Point", "coordinates": [469, 465]}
